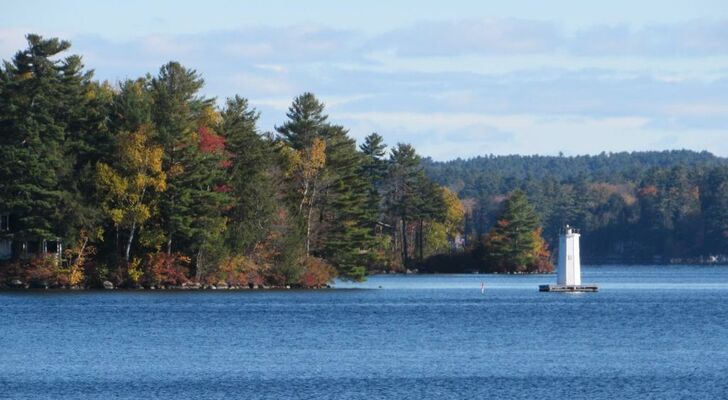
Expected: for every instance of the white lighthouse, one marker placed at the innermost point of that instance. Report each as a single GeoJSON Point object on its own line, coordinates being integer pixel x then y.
{"type": "Point", "coordinates": [568, 271]}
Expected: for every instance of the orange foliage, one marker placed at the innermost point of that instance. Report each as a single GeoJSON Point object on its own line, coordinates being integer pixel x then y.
{"type": "Point", "coordinates": [239, 270]}
{"type": "Point", "coordinates": [38, 271]}
{"type": "Point", "coordinates": [542, 256]}
{"type": "Point", "coordinates": [648, 191]}
{"type": "Point", "coordinates": [166, 269]}
{"type": "Point", "coordinates": [316, 272]}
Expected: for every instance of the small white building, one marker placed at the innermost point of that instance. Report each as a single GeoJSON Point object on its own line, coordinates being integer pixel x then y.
{"type": "Point", "coordinates": [568, 272]}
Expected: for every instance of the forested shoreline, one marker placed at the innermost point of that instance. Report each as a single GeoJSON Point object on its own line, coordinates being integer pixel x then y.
{"type": "Point", "coordinates": [147, 183]}
{"type": "Point", "coordinates": [640, 207]}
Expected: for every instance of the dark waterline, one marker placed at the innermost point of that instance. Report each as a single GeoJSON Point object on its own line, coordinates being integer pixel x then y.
{"type": "Point", "coordinates": [651, 332]}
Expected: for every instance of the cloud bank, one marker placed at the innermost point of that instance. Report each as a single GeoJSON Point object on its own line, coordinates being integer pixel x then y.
{"type": "Point", "coordinates": [459, 88]}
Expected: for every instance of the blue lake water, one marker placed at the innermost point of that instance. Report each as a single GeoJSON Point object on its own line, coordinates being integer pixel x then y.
{"type": "Point", "coordinates": [651, 332]}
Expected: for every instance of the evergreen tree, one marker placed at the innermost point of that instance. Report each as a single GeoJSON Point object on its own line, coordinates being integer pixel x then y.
{"type": "Point", "coordinates": [714, 201]}
{"type": "Point", "coordinates": [249, 176]}
{"type": "Point", "coordinates": [373, 169]}
{"type": "Point", "coordinates": [209, 198]}
{"type": "Point", "coordinates": [43, 128]}
{"type": "Point", "coordinates": [402, 197]}
{"type": "Point", "coordinates": [304, 135]}
{"type": "Point", "coordinates": [512, 245]}
{"type": "Point", "coordinates": [349, 238]}
{"type": "Point", "coordinates": [306, 122]}
{"type": "Point", "coordinates": [176, 108]}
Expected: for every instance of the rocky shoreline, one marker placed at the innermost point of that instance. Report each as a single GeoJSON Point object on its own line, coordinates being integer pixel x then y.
{"type": "Point", "coordinates": [16, 284]}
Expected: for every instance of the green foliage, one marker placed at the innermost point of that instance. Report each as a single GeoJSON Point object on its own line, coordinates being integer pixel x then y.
{"type": "Point", "coordinates": [306, 122]}
{"type": "Point", "coordinates": [641, 207]}
{"type": "Point", "coordinates": [514, 243]}
{"type": "Point", "coordinates": [41, 136]}
{"type": "Point", "coordinates": [150, 183]}
{"type": "Point", "coordinates": [250, 176]}
{"type": "Point", "coordinates": [714, 203]}
{"type": "Point", "coordinates": [176, 109]}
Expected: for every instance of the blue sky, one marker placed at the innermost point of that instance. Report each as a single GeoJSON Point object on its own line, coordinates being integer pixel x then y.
{"type": "Point", "coordinates": [456, 78]}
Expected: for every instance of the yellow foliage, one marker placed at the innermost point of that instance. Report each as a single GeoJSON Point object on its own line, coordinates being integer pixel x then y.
{"type": "Point", "coordinates": [134, 270]}
{"type": "Point", "coordinates": [454, 212]}
{"type": "Point", "coordinates": [137, 170]}
{"type": "Point", "coordinates": [316, 155]}
{"type": "Point", "coordinates": [209, 117]}
{"type": "Point", "coordinates": [77, 276]}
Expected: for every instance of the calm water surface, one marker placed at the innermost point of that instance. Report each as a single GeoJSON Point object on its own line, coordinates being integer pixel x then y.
{"type": "Point", "coordinates": [651, 332]}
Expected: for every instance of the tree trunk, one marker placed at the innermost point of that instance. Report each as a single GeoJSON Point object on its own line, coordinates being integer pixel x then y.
{"type": "Point", "coordinates": [405, 261]}
{"type": "Point", "coordinates": [308, 221]}
{"type": "Point", "coordinates": [80, 252]}
{"type": "Point", "coordinates": [128, 243]}
{"type": "Point", "coordinates": [169, 238]}
{"type": "Point", "coordinates": [422, 242]}
{"type": "Point", "coordinates": [198, 266]}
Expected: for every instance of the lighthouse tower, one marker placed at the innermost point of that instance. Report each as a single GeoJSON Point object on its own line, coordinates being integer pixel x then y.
{"type": "Point", "coordinates": [568, 271]}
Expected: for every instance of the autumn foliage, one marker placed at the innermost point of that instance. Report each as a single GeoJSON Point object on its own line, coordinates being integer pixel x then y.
{"type": "Point", "coordinates": [515, 244]}
{"type": "Point", "coordinates": [316, 272]}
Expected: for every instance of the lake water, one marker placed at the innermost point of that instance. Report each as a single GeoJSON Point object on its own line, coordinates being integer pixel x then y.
{"type": "Point", "coordinates": [651, 332]}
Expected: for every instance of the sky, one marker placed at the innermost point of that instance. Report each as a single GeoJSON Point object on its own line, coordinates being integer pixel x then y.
{"type": "Point", "coordinates": [456, 79]}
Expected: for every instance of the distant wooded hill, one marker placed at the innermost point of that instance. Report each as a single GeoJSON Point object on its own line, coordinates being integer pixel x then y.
{"type": "Point", "coordinates": [632, 207]}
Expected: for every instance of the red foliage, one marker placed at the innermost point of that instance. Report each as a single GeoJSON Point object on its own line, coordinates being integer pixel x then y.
{"type": "Point", "coordinates": [166, 269]}
{"type": "Point", "coordinates": [222, 188]}
{"type": "Point", "coordinates": [316, 273]}
{"type": "Point", "coordinates": [42, 270]}
{"type": "Point", "coordinates": [210, 142]}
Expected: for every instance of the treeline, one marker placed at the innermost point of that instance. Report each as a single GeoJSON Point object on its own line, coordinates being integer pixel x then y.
{"type": "Point", "coordinates": [641, 207]}
{"type": "Point", "coordinates": [150, 183]}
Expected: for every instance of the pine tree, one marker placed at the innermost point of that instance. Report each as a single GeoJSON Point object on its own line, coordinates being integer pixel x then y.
{"type": "Point", "coordinates": [511, 245]}
{"type": "Point", "coordinates": [402, 197]}
{"type": "Point", "coordinates": [306, 122]}
{"type": "Point", "coordinates": [349, 237]}
{"type": "Point", "coordinates": [43, 128]}
{"type": "Point", "coordinates": [304, 136]}
{"type": "Point", "coordinates": [176, 108]}
{"type": "Point", "coordinates": [249, 176]}
{"type": "Point", "coordinates": [373, 169]}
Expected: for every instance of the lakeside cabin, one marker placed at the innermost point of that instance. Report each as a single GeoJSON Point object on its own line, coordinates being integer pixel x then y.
{"type": "Point", "coordinates": [13, 248]}
{"type": "Point", "coordinates": [568, 271]}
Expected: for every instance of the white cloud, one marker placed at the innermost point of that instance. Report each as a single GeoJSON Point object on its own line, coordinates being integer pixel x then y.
{"type": "Point", "coordinates": [473, 36]}
{"type": "Point", "coordinates": [12, 40]}
{"type": "Point", "coordinates": [245, 82]}
{"type": "Point", "coordinates": [168, 45]}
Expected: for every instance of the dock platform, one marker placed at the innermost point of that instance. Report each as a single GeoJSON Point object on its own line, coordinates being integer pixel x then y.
{"type": "Point", "coordinates": [568, 288]}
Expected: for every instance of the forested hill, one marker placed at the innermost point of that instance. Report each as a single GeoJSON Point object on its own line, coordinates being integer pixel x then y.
{"type": "Point", "coordinates": [639, 207]}
{"type": "Point", "coordinates": [468, 175]}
